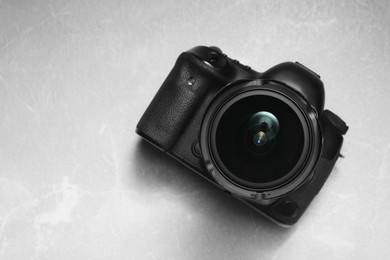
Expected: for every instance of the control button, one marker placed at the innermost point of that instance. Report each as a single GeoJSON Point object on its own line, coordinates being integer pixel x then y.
{"type": "Point", "coordinates": [216, 59]}
{"type": "Point", "coordinates": [191, 81]}
{"type": "Point", "coordinates": [287, 208]}
{"type": "Point", "coordinates": [213, 57]}
{"type": "Point", "coordinates": [196, 149]}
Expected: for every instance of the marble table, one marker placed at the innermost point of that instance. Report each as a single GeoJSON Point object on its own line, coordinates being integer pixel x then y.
{"type": "Point", "coordinates": [76, 182]}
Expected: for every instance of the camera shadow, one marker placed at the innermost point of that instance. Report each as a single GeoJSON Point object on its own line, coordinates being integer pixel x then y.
{"type": "Point", "coordinates": [222, 222]}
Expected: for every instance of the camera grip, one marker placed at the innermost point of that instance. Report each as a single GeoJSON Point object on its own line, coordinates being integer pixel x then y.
{"type": "Point", "coordinates": [177, 99]}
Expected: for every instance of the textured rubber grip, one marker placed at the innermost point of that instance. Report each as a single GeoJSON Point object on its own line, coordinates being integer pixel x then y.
{"type": "Point", "coordinates": [177, 99]}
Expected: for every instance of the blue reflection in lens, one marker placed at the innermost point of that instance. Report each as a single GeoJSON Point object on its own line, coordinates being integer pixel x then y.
{"type": "Point", "coordinates": [268, 127]}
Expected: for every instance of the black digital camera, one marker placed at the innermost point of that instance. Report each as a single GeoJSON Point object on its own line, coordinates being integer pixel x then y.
{"type": "Point", "coordinates": [263, 138]}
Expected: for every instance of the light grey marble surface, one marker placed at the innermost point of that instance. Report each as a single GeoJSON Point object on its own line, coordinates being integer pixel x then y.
{"type": "Point", "coordinates": [76, 182]}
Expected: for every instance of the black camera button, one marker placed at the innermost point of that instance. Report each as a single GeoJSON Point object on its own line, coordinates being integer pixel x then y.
{"type": "Point", "coordinates": [287, 208]}
{"type": "Point", "coordinates": [216, 59]}
{"type": "Point", "coordinates": [191, 81]}
{"type": "Point", "coordinates": [213, 57]}
{"type": "Point", "coordinates": [196, 149]}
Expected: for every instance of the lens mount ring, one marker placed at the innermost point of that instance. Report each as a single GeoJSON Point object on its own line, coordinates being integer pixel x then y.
{"type": "Point", "coordinates": [296, 176]}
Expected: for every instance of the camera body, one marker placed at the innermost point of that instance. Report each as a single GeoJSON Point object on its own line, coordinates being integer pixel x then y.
{"type": "Point", "coordinates": [263, 138]}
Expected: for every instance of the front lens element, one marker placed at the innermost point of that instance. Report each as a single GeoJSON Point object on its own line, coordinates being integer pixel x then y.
{"type": "Point", "coordinates": [259, 139]}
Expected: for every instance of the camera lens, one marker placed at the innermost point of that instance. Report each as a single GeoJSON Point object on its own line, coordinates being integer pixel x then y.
{"type": "Point", "coordinates": [259, 140]}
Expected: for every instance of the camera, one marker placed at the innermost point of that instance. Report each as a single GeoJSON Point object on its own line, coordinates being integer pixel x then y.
{"type": "Point", "coordinates": [261, 137]}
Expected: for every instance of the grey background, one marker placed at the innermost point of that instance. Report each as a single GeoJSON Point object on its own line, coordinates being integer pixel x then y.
{"type": "Point", "coordinates": [76, 182]}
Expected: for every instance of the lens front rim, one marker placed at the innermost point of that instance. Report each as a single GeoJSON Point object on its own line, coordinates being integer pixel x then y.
{"type": "Point", "coordinates": [301, 170]}
{"type": "Point", "coordinates": [226, 171]}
